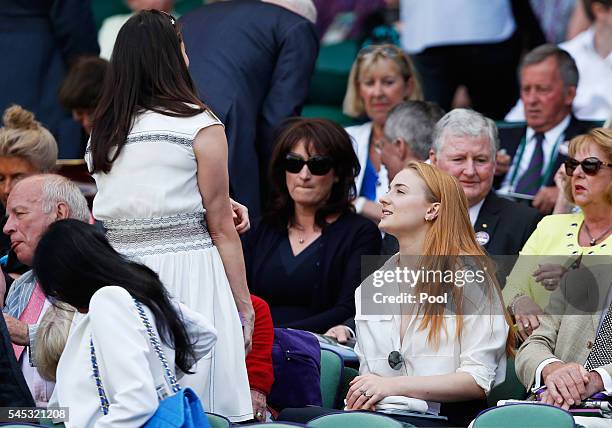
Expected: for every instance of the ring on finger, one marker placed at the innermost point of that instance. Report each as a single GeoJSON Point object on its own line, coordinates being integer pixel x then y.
{"type": "Point", "coordinates": [366, 395]}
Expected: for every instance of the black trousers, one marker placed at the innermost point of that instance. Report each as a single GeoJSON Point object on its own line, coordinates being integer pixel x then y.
{"type": "Point", "coordinates": [489, 71]}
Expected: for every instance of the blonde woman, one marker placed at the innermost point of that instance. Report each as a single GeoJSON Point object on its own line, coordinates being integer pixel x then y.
{"type": "Point", "coordinates": [26, 148]}
{"type": "Point", "coordinates": [566, 240]}
{"type": "Point", "coordinates": [449, 355]}
{"type": "Point", "coordinates": [382, 76]}
{"type": "Point", "coordinates": [51, 338]}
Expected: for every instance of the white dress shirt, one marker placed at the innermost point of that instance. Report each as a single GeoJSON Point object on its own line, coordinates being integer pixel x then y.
{"type": "Point", "coordinates": [550, 146]}
{"type": "Point", "coordinates": [474, 210]}
{"type": "Point", "coordinates": [452, 22]}
{"type": "Point", "coordinates": [479, 352]}
{"type": "Point", "coordinates": [129, 368]}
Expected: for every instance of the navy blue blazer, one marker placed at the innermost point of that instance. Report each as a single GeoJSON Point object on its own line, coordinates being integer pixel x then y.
{"type": "Point", "coordinates": [510, 139]}
{"type": "Point", "coordinates": [38, 40]}
{"type": "Point", "coordinates": [251, 62]}
{"type": "Point", "coordinates": [341, 246]}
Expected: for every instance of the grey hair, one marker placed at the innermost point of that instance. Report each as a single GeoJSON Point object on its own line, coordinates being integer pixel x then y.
{"type": "Point", "coordinates": [565, 62]}
{"type": "Point", "coordinates": [413, 122]}
{"type": "Point", "coordinates": [462, 122]}
{"type": "Point", "coordinates": [56, 189]}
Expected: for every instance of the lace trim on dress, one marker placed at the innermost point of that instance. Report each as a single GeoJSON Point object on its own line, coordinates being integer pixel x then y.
{"type": "Point", "coordinates": [159, 235]}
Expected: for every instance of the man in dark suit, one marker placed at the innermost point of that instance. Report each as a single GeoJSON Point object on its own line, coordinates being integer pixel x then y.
{"type": "Point", "coordinates": [464, 145]}
{"type": "Point", "coordinates": [252, 62]}
{"type": "Point", "coordinates": [38, 41]}
{"type": "Point", "coordinates": [533, 153]}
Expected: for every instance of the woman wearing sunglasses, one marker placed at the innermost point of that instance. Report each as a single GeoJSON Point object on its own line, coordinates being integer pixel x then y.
{"type": "Point", "coordinates": [159, 158]}
{"type": "Point", "coordinates": [382, 76]}
{"type": "Point", "coordinates": [447, 349]}
{"type": "Point", "coordinates": [304, 256]}
{"type": "Point", "coordinates": [570, 238]}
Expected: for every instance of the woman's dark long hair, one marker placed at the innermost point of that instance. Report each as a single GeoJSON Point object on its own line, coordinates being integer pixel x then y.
{"type": "Point", "coordinates": [146, 72]}
{"type": "Point", "coordinates": [326, 138]}
{"type": "Point", "coordinates": [73, 260]}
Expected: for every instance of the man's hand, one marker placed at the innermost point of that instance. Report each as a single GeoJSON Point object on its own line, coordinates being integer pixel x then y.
{"type": "Point", "coordinates": [17, 330]}
{"type": "Point", "coordinates": [545, 199]}
{"type": "Point", "coordinates": [526, 314]}
{"type": "Point", "coordinates": [240, 214]}
{"type": "Point", "coordinates": [340, 333]}
{"type": "Point", "coordinates": [566, 384]}
{"type": "Point", "coordinates": [503, 162]}
{"type": "Point", "coordinates": [258, 401]}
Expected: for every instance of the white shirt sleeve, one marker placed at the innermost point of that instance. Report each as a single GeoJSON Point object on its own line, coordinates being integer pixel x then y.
{"type": "Point", "coordinates": [538, 374]}
{"type": "Point", "coordinates": [607, 380]}
{"type": "Point", "coordinates": [122, 349]}
{"type": "Point", "coordinates": [200, 331]}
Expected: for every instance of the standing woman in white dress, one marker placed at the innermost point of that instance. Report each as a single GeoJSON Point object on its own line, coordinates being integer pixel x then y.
{"type": "Point", "coordinates": [159, 158]}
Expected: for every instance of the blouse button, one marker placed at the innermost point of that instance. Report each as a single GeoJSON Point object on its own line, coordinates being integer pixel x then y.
{"type": "Point", "coordinates": [589, 344]}
{"type": "Point", "coordinates": [570, 234]}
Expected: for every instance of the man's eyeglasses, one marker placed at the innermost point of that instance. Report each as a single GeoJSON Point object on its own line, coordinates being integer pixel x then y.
{"type": "Point", "coordinates": [318, 165]}
{"type": "Point", "coordinates": [590, 166]}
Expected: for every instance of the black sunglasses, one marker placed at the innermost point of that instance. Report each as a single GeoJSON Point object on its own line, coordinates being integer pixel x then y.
{"type": "Point", "coordinates": [590, 166]}
{"type": "Point", "coordinates": [318, 165]}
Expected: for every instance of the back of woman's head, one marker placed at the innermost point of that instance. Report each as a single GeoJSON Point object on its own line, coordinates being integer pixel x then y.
{"type": "Point", "coordinates": [147, 71]}
{"type": "Point", "coordinates": [51, 337]}
{"type": "Point", "coordinates": [24, 137]}
{"type": "Point", "coordinates": [74, 259]}
{"type": "Point", "coordinates": [325, 138]}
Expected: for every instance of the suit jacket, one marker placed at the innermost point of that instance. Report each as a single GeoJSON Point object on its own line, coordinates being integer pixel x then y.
{"type": "Point", "coordinates": [568, 330]}
{"type": "Point", "coordinates": [510, 139]}
{"type": "Point", "coordinates": [508, 224]}
{"type": "Point", "coordinates": [38, 40]}
{"type": "Point", "coordinates": [251, 62]}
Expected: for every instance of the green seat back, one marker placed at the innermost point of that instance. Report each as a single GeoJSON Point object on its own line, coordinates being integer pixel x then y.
{"type": "Point", "coordinates": [331, 376]}
{"type": "Point", "coordinates": [277, 425]}
{"type": "Point", "coordinates": [524, 416]}
{"type": "Point", "coordinates": [348, 375]}
{"type": "Point", "coordinates": [354, 420]}
{"type": "Point", "coordinates": [218, 421]}
{"type": "Point", "coordinates": [510, 388]}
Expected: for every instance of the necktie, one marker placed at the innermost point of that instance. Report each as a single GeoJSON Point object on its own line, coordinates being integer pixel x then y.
{"type": "Point", "coordinates": [31, 313]}
{"type": "Point", "coordinates": [601, 353]}
{"type": "Point", "coordinates": [529, 183]}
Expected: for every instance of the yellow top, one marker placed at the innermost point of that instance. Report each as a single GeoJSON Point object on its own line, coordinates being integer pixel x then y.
{"type": "Point", "coordinates": [555, 240]}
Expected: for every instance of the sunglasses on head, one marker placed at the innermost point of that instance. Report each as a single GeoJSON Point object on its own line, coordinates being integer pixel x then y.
{"type": "Point", "coordinates": [590, 166]}
{"type": "Point", "coordinates": [388, 51]}
{"type": "Point", "coordinates": [318, 165]}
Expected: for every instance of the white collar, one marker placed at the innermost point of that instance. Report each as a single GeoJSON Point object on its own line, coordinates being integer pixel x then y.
{"type": "Point", "coordinates": [474, 210]}
{"type": "Point", "coordinates": [553, 134]}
